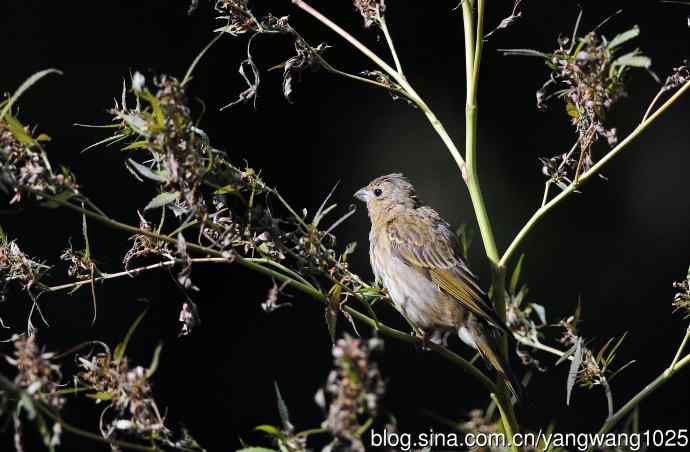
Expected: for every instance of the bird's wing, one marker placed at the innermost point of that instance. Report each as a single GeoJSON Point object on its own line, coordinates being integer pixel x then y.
{"type": "Point", "coordinates": [424, 240]}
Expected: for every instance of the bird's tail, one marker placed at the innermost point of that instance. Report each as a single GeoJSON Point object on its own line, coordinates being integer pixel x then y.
{"type": "Point", "coordinates": [489, 350]}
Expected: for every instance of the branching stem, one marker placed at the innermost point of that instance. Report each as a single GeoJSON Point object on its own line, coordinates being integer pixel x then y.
{"type": "Point", "coordinates": [256, 265]}
{"type": "Point", "coordinates": [391, 45]}
{"type": "Point", "coordinates": [584, 177]}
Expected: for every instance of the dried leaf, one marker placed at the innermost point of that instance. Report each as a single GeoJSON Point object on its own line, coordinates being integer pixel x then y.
{"type": "Point", "coordinates": [574, 368]}
{"type": "Point", "coordinates": [162, 199]}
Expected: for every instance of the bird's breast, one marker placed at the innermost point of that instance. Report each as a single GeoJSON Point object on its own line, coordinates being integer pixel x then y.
{"type": "Point", "coordinates": [411, 289]}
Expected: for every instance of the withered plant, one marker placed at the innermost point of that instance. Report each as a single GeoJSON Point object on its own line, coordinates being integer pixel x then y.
{"type": "Point", "coordinates": [208, 209]}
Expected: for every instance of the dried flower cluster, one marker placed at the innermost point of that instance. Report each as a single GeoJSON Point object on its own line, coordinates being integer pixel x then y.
{"type": "Point", "coordinates": [40, 377]}
{"type": "Point", "coordinates": [17, 266]}
{"type": "Point", "coordinates": [588, 369]}
{"type": "Point", "coordinates": [24, 168]}
{"type": "Point", "coordinates": [240, 19]}
{"type": "Point", "coordinates": [354, 389]}
{"type": "Point", "coordinates": [681, 301]}
{"type": "Point", "coordinates": [127, 391]}
{"type": "Point", "coordinates": [36, 372]}
{"type": "Point", "coordinates": [678, 77]}
{"type": "Point", "coordinates": [588, 74]}
{"type": "Point", "coordinates": [371, 10]}
{"type": "Point", "coordinates": [80, 265]}
{"type": "Point", "coordinates": [143, 245]}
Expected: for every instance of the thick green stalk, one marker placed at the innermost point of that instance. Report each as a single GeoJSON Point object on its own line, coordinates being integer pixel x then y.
{"type": "Point", "coordinates": [473, 55]}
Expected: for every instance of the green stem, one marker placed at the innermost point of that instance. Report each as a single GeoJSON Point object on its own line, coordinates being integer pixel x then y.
{"type": "Point", "coordinates": [234, 257]}
{"type": "Point", "coordinates": [473, 54]}
{"type": "Point", "coordinates": [307, 289]}
{"type": "Point", "coordinates": [646, 392]}
{"type": "Point", "coordinates": [395, 75]}
{"type": "Point", "coordinates": [584, 177]}
{"type": "Point", "coordinates": [443, 351]}
{"type": "Point", "coordinates": [468, 26]}
{"type": "Point", "coordinates": [683, 343]}
{"type": "Point", "coordinates": [9, 387]}
{"type": "Point", "coordinates": [504, 419]}
{"type": "Point", "coordinates": [391, 46]}
{"type": "Point", "coordinates": [93, 436]}
{"type": "Point", "coordinates": [472, 178]}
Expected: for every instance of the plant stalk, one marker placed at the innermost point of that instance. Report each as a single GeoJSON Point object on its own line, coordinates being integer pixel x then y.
{"type": "Point", "coordinates": [584, 177]}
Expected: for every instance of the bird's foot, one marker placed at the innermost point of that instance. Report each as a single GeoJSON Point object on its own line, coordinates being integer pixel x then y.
{"type": "Point", "coordinates": [431, 337]}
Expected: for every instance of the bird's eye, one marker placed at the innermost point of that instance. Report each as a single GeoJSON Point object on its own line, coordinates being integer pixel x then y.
{"type": "Point", "coordinates": [378, 192]}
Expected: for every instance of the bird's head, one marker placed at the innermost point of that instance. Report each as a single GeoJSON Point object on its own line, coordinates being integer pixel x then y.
{"type": "Point", "coordinates": [387, 192]}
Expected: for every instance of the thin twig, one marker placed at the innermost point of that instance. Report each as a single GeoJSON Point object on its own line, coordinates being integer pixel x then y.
{"type": "Point", "coordinates": [643, 394]}
{"type": "Point", "coordinates": [398, 77]}
{"type": "Point", "coordinates": [132, 272]}
{"type": "Point", "coordinates": [306, 288]}
{"type": "Point", "coordinates": [595, 169]}
{"type": "Point", "coordinates": [683, 343]}
{"type": "Point", "coordinates": [391, 45]}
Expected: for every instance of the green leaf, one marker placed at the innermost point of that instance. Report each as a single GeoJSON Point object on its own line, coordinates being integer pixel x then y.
{"type": "Point", "coordinates": [600, 355]}
{"type": "Point", "coordinates": [18, 130]}
{"type": "Point", "coordinates": [270, 429]}
{"type": "Point", "coordinates": [122, 346]}
{"type": "Point", "coordinates": [571, 109]}
{"type": "Point", "coordinates": [615, 348]}
{"type": "Point", "coordinates": [624, 37]}
{"type": "Point", "coordinates": [520, 296]}
{"type": "Point", "coordinates": [23, 87]}
{"type": "Point", "coordinates": [43, 137]}
{"type": "Point", "coordinates": [154, 362]}
{"type": "Point", "coordinates": [331, 315]}
{"type": "Point", "coordinates": [136, 123]}
{"type": "Point", "coordinates": [145, 171]}
{"type": "Point", "coordinates": [3, 236]}
{"type": "Point", "coordinates": [516, 274]}
{"type": "Point", "coordinates": [85, 232]}
{"type": "Point", "coordinates": [226, 189]}
{"type": "Point", "coordinates": [282, 407]}
{"type": "Point", "coordinates": [162, 199]}
{"type": "Point", "coordinates": [632, 59]}
{"type": "Point", "coordinates": [625, 366]}
{"type": "Point", "coordinates": [100, 396]}
{"type": "Point", "coordinates": [141, 144]}
{"type": "Point", "coordinates": [155, 106]}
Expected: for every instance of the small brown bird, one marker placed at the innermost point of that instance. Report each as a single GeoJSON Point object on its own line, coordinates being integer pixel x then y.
{"type": "Point", "coordinates": [416, 257]}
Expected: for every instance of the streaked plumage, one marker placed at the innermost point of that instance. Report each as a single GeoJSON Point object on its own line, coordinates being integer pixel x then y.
{"type": "Point", "coordinates": [416, 257]}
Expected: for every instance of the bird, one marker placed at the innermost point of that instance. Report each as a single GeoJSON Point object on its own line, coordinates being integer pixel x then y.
{"type": "Point", "coordinates": [416, 257]}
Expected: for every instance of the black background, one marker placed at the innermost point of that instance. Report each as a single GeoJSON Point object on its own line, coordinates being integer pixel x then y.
{"type": "Point", "coordinates": [617, 246]}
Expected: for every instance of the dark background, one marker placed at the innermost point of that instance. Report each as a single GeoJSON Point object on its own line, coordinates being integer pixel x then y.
{"type": "Point", "coordinates": [617, 246]}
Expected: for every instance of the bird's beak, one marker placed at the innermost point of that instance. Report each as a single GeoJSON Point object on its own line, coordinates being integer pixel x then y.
{"type": "Point", "coordinates": [362, 194]}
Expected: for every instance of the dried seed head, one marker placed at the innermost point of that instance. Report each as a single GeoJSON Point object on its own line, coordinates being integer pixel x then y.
{"type": "Point", "coordinates": [371, 10]}
{"type": "Point", "coordinates": [355, 387]}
